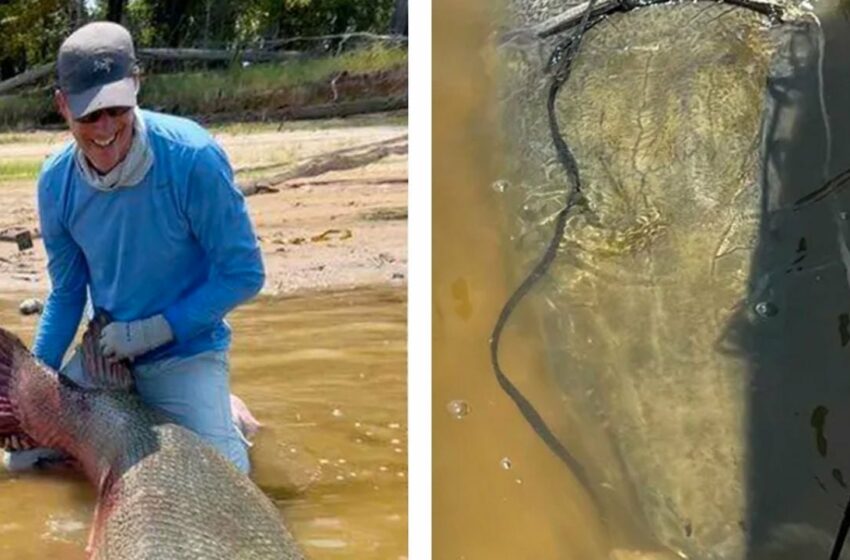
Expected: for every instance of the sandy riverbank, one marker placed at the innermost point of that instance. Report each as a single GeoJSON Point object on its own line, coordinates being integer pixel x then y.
{"type": "Point", "coordinates": [334, 230]}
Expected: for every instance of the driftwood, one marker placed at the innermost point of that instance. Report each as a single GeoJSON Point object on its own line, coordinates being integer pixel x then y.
{"type": "Point", "coordinates": [355, 181]}
{"type": "Point", "coordinates": [220, 55]}
{"type": "Point", "coordinates": [27, 77]}
{"type": "Point", "coordinates": [335, 153]}
{"type": "Point", "coordinates": [274, 43]}
{"type": "Point", "coordinates": [339, 160]}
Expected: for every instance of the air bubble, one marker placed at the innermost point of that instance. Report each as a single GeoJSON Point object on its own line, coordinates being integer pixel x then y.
{"type": "Point", "coordinates": [458, 408]}
{"type": "Point", "coordinates": [766, 309]}
{"type": "Point", "coordinates": [501, 185]}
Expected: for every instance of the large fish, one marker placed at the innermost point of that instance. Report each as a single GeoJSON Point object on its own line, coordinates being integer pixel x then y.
{"type": "Point", "coordinates": [695, 308]}
{"type": "Point", "coordinates": [163, 493]}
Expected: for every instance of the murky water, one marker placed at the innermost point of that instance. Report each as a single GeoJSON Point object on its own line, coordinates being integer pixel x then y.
{"type": "Point", "coordinates": [326, 374]}
{"type": "Point", "coordinates": [699, 374]}
{"type": "Point", "coordinates": [480, 508]}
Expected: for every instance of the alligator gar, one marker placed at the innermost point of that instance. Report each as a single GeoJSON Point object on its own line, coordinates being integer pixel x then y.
{"type": "Point", "coordinates": [694, 311]}
{"type": "Point", "coordinates": [162, 492]}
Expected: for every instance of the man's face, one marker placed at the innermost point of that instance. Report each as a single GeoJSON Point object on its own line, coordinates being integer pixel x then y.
{"type": "Point", "coordinates": [104, 136]}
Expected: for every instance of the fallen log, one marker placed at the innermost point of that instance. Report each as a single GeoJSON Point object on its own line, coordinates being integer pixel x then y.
{"type": "Point", "coordinates": [335, 153]}
{"type": "Point", "coordinates": [274, 43]}
{"type": "Point", "coordinates": [210, 55]}
{"type": "Point", "coordinates": [27, 77]}
{"type": "Point", "coordinates": [320, 165]}
{"type": "Point", "coordinates": [39, 72]}
{"type": "Point", "coordinates": [354, 181]}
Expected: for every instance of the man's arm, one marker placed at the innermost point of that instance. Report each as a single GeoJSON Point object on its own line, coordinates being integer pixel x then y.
{"type": "Point", "coordinates": [68, 273]}
{"type": "Point", "coordinates": [218, 217]}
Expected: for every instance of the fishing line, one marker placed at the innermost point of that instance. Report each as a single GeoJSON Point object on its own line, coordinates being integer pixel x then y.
{"type": "Point", "coordinates": [842, 534]}
{"type": "Point", "coordinates": [821, 94]}
{"type": "Point", "coordinates": [562, 57]}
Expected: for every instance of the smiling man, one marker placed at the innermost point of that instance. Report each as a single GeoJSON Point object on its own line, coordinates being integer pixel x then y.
{"type": "Point", "coordinates": [140, 214]}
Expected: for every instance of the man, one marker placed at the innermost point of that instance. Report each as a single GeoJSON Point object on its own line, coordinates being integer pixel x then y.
{"type": "Point", "coordinates": [141, 215]}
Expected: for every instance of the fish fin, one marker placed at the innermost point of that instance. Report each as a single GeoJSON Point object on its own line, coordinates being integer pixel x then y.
{"type": "Point", "coordinates": [247, 424]}
{"type": "Point", "coordinates": [13, 354]}
{"type": "Point", "coordinates": [90, 542]}
{"type": "Point", "coordinates": [102, 508]}
{"type": "Point", "coordinates": [105, 374]}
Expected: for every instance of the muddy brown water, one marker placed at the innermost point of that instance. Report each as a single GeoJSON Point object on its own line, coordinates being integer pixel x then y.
{"type": "Point", "coordinates": [326, 374]}
{"type": "Point", "coordinates": [498, 492]}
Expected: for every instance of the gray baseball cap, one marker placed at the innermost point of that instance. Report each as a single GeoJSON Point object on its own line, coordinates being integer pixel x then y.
{"type": "Point", "coordinates": [96, 68]}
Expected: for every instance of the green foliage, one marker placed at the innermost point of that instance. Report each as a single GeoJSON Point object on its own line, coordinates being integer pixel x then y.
{"type": "Point", "coordinates": [227, 23]}
{"type": "Point", "coordinates": [255, 88]}
{"type": "Point", "coordinates": [369, 59]}
{"type": "Point", "coordinates": [292, 18]}
{"type": "Point", "coordinates": [262, 86]}
{"type": "Point", "coordinates": [31, 32]}
{"type": "Point", "coordinates": [138, 16]}
{"type": "Point", "coordinates": [19, 169]}
{"type": "Point", "coordinates": [24, 111]}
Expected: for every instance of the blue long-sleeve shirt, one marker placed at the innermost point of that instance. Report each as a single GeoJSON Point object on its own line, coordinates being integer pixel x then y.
{"type": "Point", "coordinates": [179, 243]}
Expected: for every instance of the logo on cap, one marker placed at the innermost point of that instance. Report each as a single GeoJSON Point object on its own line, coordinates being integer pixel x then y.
{"type": "Point", "coordinates": [103, 64]}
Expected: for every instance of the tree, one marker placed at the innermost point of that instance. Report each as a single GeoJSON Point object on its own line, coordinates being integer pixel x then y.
{"type": "Point", "coordinates": [31, 32]}
{"type": "Point", "coordinates": [170, 20]}
{"type": "Point", "coordinates": [115, 10]}
{"type": "Point", "coordinates": [320, 17]}
{"type": "Point", "coordinates": [398, 23]}
{"type": "Point", "coordinates": [77, 13]}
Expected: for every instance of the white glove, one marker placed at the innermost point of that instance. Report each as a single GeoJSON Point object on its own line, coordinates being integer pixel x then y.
{"type": "Point", "coordinates": [128, 340]}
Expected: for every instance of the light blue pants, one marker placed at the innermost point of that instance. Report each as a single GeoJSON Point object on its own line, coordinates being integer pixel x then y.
{"type": "Point", "coordinates": [192, 391]}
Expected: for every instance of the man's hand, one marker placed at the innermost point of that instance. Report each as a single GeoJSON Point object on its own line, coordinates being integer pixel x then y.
{"type": "Point", "coordinates": [128, 340]}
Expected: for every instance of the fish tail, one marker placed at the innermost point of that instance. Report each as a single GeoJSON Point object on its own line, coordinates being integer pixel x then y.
{"type": "Point", "coordinates": [12, 437]}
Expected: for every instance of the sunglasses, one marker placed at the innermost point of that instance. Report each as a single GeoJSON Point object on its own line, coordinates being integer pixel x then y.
{"type": "Point", "coordinates": [94, 116]}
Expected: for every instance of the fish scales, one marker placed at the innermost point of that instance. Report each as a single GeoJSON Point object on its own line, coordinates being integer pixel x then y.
{"type": "Point", "coordinates": [163, 493]}
{"type": "Point", "coordinates": [177, 498]}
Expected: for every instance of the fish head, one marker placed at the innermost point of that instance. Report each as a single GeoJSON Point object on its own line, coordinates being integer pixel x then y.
{"type": "Point", "coordinates": [25, 380]}
{"type": "Point", "coordinates": [15, 359]}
